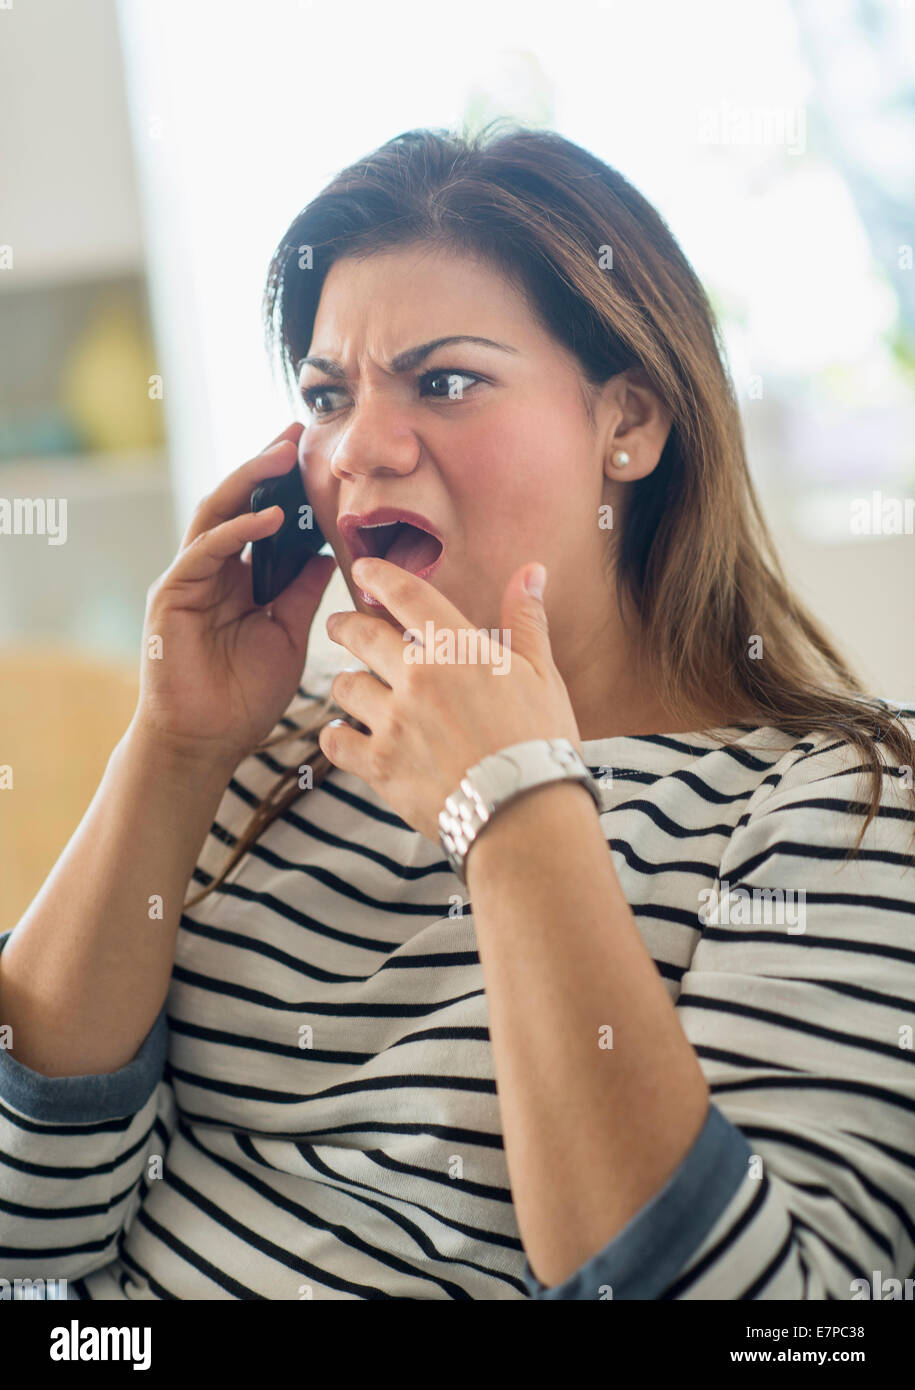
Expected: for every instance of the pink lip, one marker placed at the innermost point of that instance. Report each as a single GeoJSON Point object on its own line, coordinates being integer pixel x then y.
{"type": "Point", "coordinates": [348, 524]}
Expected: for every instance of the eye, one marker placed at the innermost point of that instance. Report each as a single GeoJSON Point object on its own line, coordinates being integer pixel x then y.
{"type": "Point", "coordinates": [450, 376]}
{"type": "Point", "coordinates": [447, 376]}
{"type": "Point", "coordinates": [311, 394]}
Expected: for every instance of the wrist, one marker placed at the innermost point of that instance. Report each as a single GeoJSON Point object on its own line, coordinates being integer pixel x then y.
{"type": "Point", "coordinates": [187, 765]}
{"type": "Point", "coordinates": [500, 780]}
{"type": "Point", "coordinates": [529, 830]}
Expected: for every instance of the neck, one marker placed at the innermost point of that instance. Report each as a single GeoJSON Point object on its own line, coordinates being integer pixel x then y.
{"type": "Point", "coordinates": [611, 684]}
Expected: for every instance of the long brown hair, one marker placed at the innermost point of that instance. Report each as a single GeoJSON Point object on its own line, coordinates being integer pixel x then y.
{"type": "Point", "coordinates": [603, 274]}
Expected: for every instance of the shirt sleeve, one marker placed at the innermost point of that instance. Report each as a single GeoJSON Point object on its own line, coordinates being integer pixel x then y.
{"type": "Point", "coordinates": [652, 1248]}
{"type": "Point", "coordinates": [74, 1151]}
{"type": "Point", "coordinates": [800, 1004]}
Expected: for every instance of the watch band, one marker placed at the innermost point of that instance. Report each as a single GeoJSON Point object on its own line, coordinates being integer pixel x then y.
{"type": "Point", "coordinates": [498, 779]}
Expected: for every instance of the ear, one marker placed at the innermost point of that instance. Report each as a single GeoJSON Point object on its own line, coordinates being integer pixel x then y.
{"type": "Point", "coordinates": [638, 425]}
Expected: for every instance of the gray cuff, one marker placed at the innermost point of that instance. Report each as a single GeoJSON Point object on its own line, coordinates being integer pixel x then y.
{"type": "Point", "coordinates": [651, 1249]}
{"type": "Point", "coordinates": [85, 1099]}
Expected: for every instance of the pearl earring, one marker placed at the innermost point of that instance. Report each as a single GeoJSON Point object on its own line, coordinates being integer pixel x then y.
{"type": "Point", "coordinates": [620, 459]}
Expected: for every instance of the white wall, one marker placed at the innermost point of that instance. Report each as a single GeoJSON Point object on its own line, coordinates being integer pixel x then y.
{"type": "Point", "coordinates": [66, 163]}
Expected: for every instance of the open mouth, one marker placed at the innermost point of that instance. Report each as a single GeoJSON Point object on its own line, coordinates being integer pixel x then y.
{"type": "Point", "coordinates": [402, 544]}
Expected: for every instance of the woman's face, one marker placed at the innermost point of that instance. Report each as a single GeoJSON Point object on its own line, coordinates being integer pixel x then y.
{"type": "Point", "coordinates": [492, 444]}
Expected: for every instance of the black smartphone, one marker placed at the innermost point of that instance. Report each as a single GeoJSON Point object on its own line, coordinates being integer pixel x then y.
{"type": "Point", "coordinates": [277, 559]}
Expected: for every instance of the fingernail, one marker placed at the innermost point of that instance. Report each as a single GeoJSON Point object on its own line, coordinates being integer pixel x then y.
{"type": "Point", "coordinates": [535, 580]}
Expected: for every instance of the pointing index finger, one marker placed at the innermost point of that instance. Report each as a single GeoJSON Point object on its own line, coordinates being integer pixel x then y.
{"type": "Point", "coordinates": [232, 496]}
{"type": "Point", "coordinates": [409, 599]}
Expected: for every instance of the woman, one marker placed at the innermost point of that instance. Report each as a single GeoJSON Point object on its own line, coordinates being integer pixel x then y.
{"type": "Point", "coordinates": [366, 1062]}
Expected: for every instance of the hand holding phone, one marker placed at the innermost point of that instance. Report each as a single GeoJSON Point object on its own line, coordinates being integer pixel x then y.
{"type": "Point", "coordinates": [232, 666]}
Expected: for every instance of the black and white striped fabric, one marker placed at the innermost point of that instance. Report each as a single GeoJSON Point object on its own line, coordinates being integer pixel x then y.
{"type": "Point", "coordinates": [314, 1114]}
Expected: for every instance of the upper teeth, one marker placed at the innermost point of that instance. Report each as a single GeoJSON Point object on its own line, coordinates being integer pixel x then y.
{"type": "Point", "coordinates": [373, 525]}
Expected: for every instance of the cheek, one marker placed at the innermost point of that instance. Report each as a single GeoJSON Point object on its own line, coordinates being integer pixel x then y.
{"type": "Point", "coordinates": [509, 484]}
{"type": "Point", "coordinates": [320, 487]}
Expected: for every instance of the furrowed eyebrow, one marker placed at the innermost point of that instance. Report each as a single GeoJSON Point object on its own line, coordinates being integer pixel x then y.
{"type": "Point", "coordinates": [404, 361]}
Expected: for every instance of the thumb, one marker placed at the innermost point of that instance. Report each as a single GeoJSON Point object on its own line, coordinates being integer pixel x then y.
{"type": "Point", "coordinates": [524, 615]}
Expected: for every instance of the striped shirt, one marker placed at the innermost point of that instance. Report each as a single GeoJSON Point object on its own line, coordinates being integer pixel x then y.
{"type": "Point", "coordinates": [314, 1113]}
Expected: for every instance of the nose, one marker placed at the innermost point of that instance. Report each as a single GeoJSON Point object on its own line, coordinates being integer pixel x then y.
{"type": "Point", "coordinates": [376, 441]}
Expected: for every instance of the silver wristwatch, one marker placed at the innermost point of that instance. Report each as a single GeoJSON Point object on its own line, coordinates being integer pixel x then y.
{"type": "Point", "coordinates": [499, 778]}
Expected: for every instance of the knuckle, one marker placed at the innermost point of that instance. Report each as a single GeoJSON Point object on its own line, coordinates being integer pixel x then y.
{"type": "Point", "coordinates": [414, 678]}
{"type": "Point", "coordinates": [382, 764]}
{"type": "Point", "coordinates": [366, 633]}
{"type": "Point", "coordinates": [395, 729]}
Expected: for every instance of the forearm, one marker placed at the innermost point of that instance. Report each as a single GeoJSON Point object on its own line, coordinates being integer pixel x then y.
{"type": "Point", "coordinates": [591, 1131]}
{"type": "Point", "coordinates": [86, 970]}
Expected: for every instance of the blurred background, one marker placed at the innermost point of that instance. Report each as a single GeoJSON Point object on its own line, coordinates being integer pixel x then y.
{"type": "Point", "coordinates": [152, 153]}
